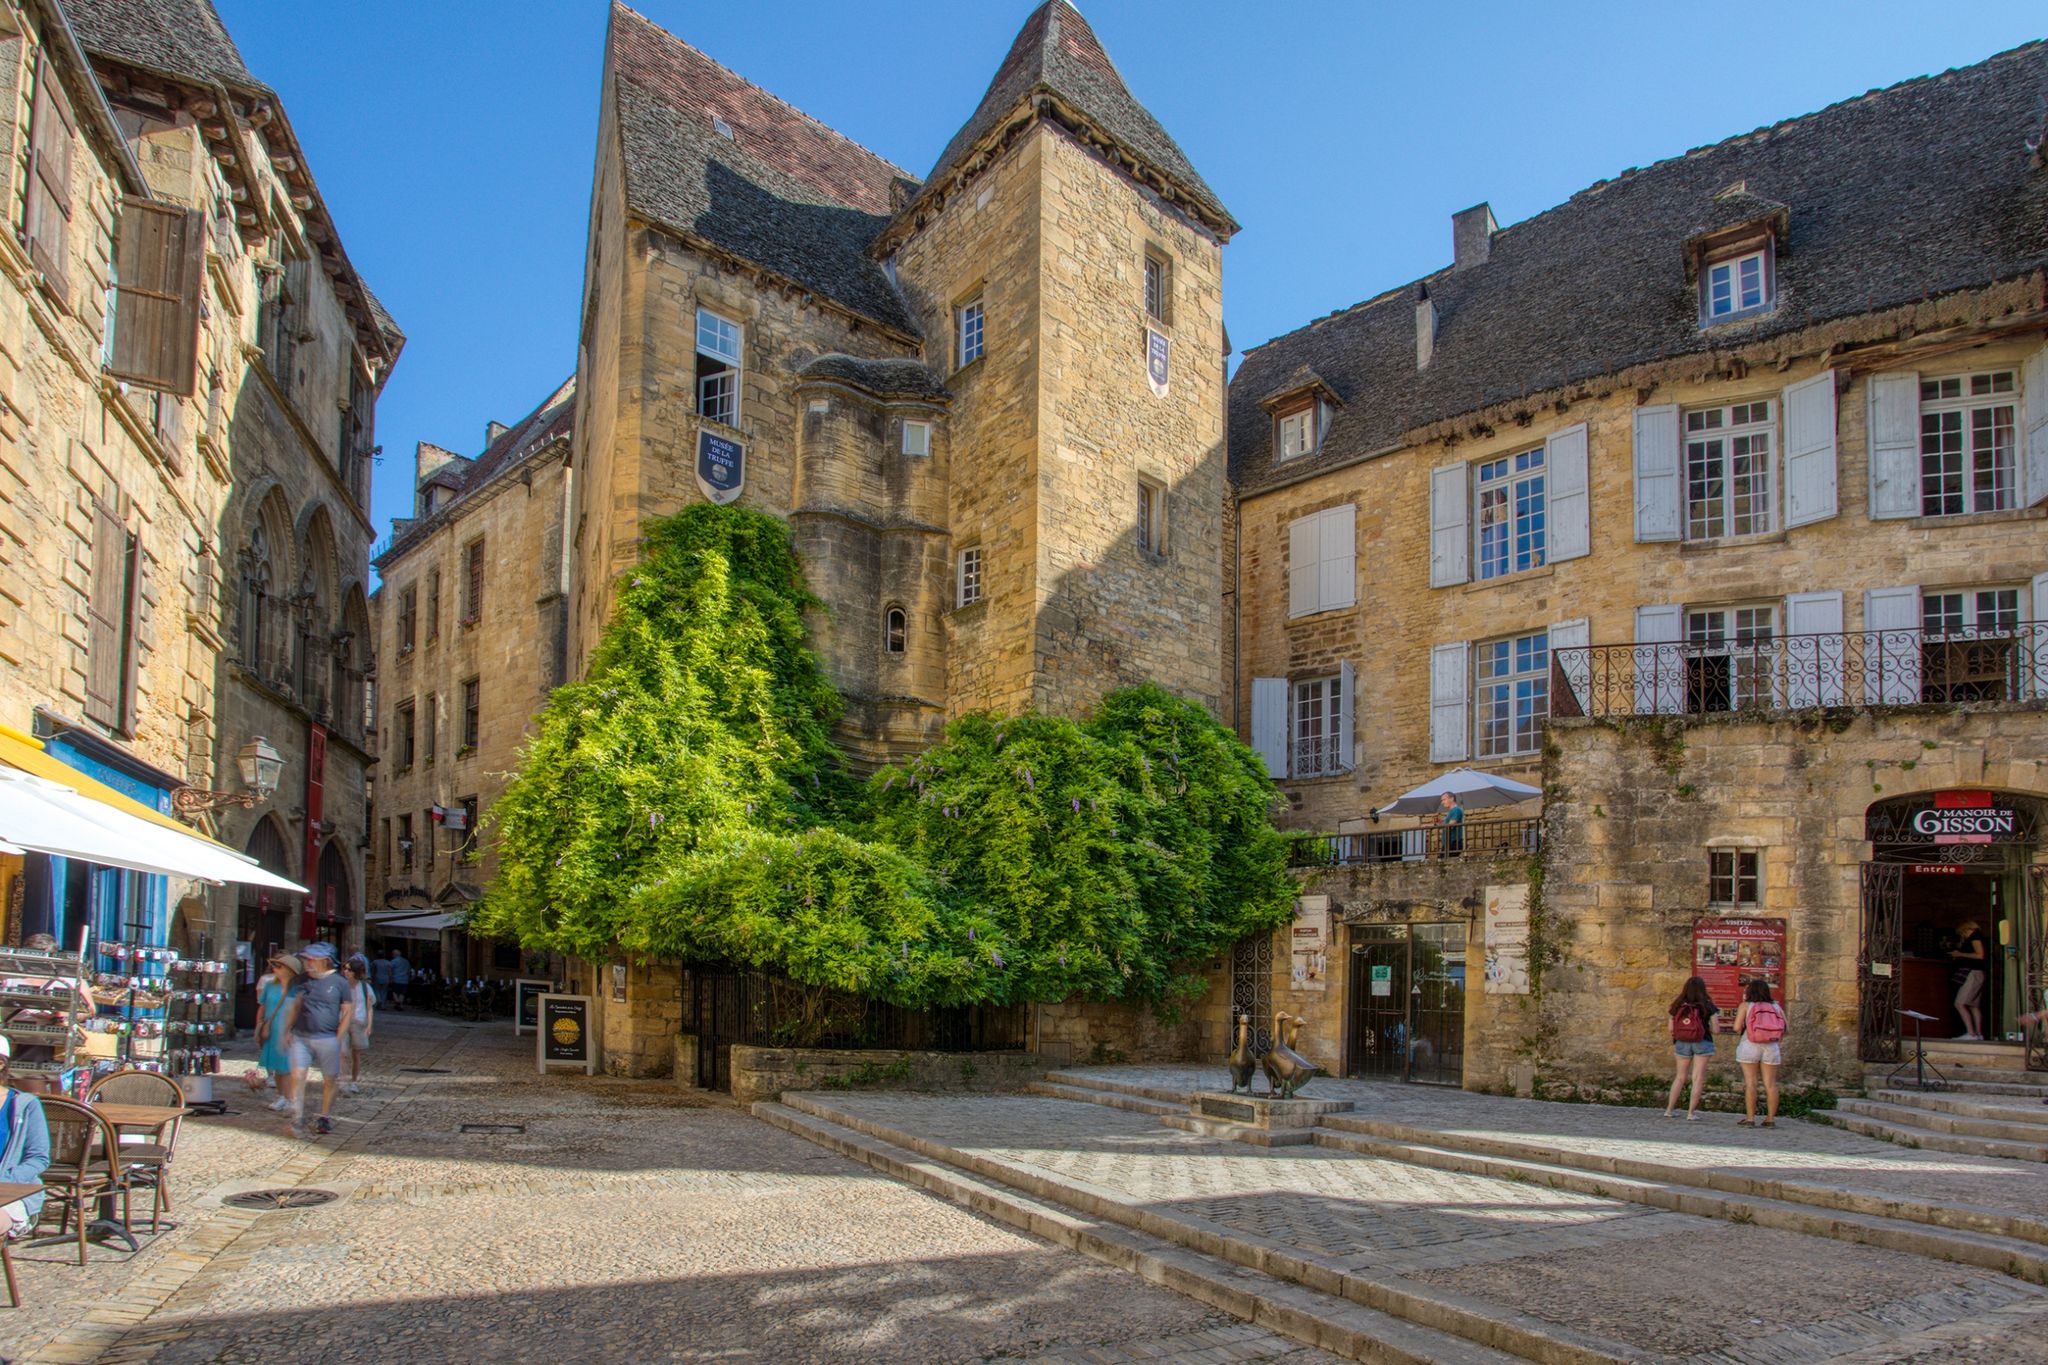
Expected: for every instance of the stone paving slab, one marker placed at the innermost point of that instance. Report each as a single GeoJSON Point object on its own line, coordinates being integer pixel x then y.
{"type": "Point", "coordinates": [1592, 1265]}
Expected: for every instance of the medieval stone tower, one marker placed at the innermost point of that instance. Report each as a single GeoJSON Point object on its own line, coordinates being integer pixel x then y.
{"type": "Point", "coordinates": [990, 403]}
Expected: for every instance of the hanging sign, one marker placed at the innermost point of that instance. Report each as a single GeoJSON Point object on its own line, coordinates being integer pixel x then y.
{"type": "Point", "coordinates": [1311, 964]}
{"type": "Point", "coordinates": [527, 993]}
{"type": "Point", "coordinates": [721, 466]}
{"type": "Point", "coordinates": [563, 1038]}
{"type": "Point", "coordinates": [1507, 940]}
{"type": "Point", "coordinates": [1158, 350]}
{"type": "Point", "coordinates": [1728, 954]}
{"type": "Point", "coordinates": [1965, 818]}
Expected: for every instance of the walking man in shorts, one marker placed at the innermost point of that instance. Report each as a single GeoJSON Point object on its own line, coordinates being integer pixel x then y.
{"type": "Point", "coordinates": [317, 1019]}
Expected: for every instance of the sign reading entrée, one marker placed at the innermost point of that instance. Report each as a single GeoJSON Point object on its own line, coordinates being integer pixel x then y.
{"type": "Point", "coordinates": [721, 466]}
{"type": "Point", "coordinates": [564, 1035]}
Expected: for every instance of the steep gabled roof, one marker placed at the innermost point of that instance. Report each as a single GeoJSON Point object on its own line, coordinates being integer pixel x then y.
{"type": "Point", "coordinates": [783, 192]}
{"type": "Point", "coordinates": [178, 37]}
{"type": "Point", "coordinates": [1903, 195]}
{"type": "Point", "coordinates": [1056, 52]}
{"type": "Point", "coordinates": [529, 436]}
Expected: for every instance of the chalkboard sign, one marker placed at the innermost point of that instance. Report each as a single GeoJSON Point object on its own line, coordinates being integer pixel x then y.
{"type": "Point", "coordinates": [564, 1036]}
{"type": "Point", "coordinates": [528, 993]}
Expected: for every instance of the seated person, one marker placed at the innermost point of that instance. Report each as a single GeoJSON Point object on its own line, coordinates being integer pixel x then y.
{"type": "Point", "coordinates": [24, 1149]}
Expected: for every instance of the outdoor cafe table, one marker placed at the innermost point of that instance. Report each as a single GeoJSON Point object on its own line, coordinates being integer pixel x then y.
{"type": "Point", "coordinates": [149, 1118]}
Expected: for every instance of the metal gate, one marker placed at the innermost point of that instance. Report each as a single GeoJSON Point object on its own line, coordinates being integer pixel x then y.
{"type": "Point", "coordinates": [1251, 989]}
{"type": "Point", "coordinates": [2033, 883]}
{"type": "Point", "coordinates": [1408, 1002]}
{"type": "Point", "coordinates": [1878, 963]}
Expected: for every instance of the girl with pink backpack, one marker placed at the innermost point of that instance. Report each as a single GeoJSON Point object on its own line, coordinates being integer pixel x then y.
{"type": "Point", "coordinates": [1692, 1042]}
{"type": "Point", "coordinates": [1761, 1024]}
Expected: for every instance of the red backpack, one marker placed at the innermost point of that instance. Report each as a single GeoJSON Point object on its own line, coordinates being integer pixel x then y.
{"type": "Point", "coordinates": [1766, 1022]}
{"type": "Point", "coordinates": [1688, 1025]}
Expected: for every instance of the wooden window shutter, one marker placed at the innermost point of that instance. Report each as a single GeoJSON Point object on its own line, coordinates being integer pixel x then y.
{"type": "Point", "coordinates": [1450, 721]}
{"type": "Point", "coordinates": [131, 626]}
{"type": "Point", "coordinates": [476, 580]}
{"type": "Point", "coordinates": [159, 260]}
{"type": "Point", "coordinates": [106, 609]}
{"type": "Point", "coordinates": [1450, 544]}
{"type": "Point", "coordinates": [1269, 724]}
{"type": "Point", "coordinates": [46, 216]}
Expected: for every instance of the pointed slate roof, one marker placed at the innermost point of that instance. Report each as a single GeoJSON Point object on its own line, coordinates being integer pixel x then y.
{"type": "Point", "coordinates": [1058, 53]}
{"type": "Point", "coordinates": [546, 424]}
{"type": "Point", "coordinates": [783, 191]}
{"type": "Point", "coordinates": [180, 37]}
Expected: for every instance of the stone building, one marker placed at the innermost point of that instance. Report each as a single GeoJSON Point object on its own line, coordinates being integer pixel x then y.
{"type": "Point", "coordinates": [470, 639]}
{"type": "Point", "coordinates": [169, 251]}
{"type": "Point", "coordinates": [989, 401]}
{"type": "Point", "coordinates": [1711, 502]}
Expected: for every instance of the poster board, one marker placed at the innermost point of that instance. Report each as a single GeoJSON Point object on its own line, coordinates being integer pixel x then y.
{"type": "Point", "coordinates": [563, 1038]}
{"type": "Point", "coordinates": [1309, 967]}
{"type": "Point", "coordinates": [1728, 953]}
{"type": "Point", "coordinates": [1507, 940]}
{"type": "Point", "coordinates": [526, 994]}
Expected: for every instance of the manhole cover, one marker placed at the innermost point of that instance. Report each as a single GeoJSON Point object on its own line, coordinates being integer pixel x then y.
{"type": "Point", "coordinates": [276, 1201]}
{"type": "Point", "coordinates": [426, 1070]}
{"type": "Point", "coordinates": [493, 1128]}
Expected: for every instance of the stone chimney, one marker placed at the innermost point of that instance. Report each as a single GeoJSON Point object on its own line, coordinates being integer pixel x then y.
{"type": "Point", "coordinates": [1472, 236]}
{"type": "Point", "coordinates": [1425, 327]}
{"type": "Point", "coordinates": [492, 431]}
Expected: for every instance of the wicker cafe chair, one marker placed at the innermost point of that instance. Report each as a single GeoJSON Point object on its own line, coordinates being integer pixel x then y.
{"type": "Point", "coordinates": [84, 1164]}
{"type": "Point", "coordinates": [146, 1156]}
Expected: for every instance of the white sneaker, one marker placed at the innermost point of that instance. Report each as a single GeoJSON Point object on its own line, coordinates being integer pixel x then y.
{"type": "Point", "coordinates": [280, 1104]}
{"type": "Point", "coordinates": [349, 1088]}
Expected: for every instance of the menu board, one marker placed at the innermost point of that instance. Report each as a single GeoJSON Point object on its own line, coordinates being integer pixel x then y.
{"type": "Point", "coordinates": [1728, 954]}
{"type": "Point", "coordinates": [564, 1038]}
{"type": "Point", "coordinates": [528, 991]}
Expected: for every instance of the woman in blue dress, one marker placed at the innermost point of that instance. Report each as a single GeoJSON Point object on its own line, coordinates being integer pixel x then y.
{"type": "Point", "coordinates": [270, 1032]}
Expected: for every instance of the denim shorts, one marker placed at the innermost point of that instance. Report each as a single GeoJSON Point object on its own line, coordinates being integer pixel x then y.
{"type": "Point", "coordinates": [1703, 1048]}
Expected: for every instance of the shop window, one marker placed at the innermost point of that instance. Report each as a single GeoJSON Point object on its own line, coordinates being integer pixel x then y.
{"type": "Point", "coordinates": [1733, 878]}
{"type": "Point", "coordinates": [1728, 470]}
{"type": "Point", "coordinates": [1967, 444]}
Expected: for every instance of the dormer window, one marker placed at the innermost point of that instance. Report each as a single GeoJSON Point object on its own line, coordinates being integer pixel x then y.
{"type": "Point", "coordinates": [1301, 430]}
{"type": "Point", "coordinates": [1736, 286]}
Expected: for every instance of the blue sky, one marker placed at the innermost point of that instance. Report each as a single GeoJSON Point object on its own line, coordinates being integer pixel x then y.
{"type": "Point", "coordinates": [454, 138]}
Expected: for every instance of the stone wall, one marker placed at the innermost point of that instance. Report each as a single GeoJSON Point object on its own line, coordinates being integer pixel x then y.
{"type": "Point", "coordinates": [763, 1073]}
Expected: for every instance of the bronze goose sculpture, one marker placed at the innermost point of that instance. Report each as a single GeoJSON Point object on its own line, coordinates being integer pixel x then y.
{"type": "Point", "coordinates": [1240, 1061]}
{"type": "Point", "coordinates": [1287, 1070]}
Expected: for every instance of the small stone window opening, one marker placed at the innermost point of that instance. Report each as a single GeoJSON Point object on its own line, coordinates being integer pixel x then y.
{"type": "Point", "coordinates": [433, 728]}
{"type": "Point", "coordinates": [1151, 516]}
{"type": "Point", "coordinates": [1158, 288]}
{"type": "Point", "coordinates": [895, 630]}
{"type": "Point", "coordinates": [472, 712]}
{"type": "Point", "coordinates": [408, 618]}
{"type": "Point", "coordinates": [970, 577]}
{"type": "Point", "coordinates": [405, 843]}
{"type": "Point", "coordinates": [718, 368]}
{"type": "Point", "coordinates": [407, 727]}
{"type": "Point", "coordinates": [1733, 880]}
{"type": "Point", "coordinates": [433, 605]}
{"type": "Point", "coordinates": [473, 582]}
{"type": "Point", "coordinates": [917, 438]}
{"type": "Point", "coordinates": [968, 332]}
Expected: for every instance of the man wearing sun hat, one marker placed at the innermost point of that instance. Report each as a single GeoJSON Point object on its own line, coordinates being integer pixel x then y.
{"type": "Point", "coordinates": [317, 1018]}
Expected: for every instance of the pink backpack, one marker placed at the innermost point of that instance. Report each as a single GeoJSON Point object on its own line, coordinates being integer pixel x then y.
{"type": "Point", "coordinates": [1766, 1023]}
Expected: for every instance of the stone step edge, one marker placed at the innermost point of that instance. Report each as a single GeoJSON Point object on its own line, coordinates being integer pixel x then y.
{"type": "Point", "coordinates": [1492, 1325]}
{"type": "Point", "coordinates": [2020, 1259]}
{"type": "Point", "coordinates": [1081, 1080]}
{"type": "Point", "coordinates": [2022, 1128]}
{"type": "Point", "coordinates": [1956, 1217]}
{"type": "Point", "coordinates": [1112, 1099]}
{"type": "Point", "coordinates": [1294, 1311]}
{"type": "Point", "coordinates": [1877, 1077]}
{"type": "Point", "coordinates": [2028, 1110]}
{"type": "Point", "coordinates": [1926, 1139]}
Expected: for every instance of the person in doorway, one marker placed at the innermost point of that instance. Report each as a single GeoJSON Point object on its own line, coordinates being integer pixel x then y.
{"type": "Point", "coordinates": [1760, 1023]}
{"type": "Point", "coordinates": [1967, 972]}
{"type": "Point", "coordinates": [317, 1015]}
{"type": "Point", "coordinates": [380, 975]}
{"type": "Point", "coordinates": [276, 1056]}
{"type": "Point", "coordinates": [401, 979]}
{"type": "Point", "coordinates": [1450, 814]}
{"type": "Point", "coordinates": [24, 1148]}
{"type": "Point", "coordinates": [1692, 1042]}
{"type": "Point", "coordinates": [363, 996]}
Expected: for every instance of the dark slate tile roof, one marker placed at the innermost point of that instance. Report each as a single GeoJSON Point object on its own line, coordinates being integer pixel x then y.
{"type": "Point", "coordinates": [181, 37]}
{"type": "Point", "coordinates": [546, 424]}
{"type": "Point", "coordinates": [883, 378]}
{"type": "Point", "coordinates": [784, 192]}
{"type": "Point", "coordinates": [1057, 51]}
{"type": "Point", "coordinates": [1897, 196]}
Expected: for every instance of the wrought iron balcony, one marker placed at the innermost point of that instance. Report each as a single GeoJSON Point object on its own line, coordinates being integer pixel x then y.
{"type": "Point", "coordinates": [1800, 672]}
{"type": "Point", "coordinates": [1475, 839]}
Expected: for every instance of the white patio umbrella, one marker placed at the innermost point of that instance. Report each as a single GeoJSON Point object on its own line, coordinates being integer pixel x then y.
{"type": "Point", "coordinates": [1475, 790]}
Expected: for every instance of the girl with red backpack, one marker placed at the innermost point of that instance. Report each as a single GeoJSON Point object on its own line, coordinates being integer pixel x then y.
{"type": "Point", "coordinates": [1761, 1023]}
{"type": "Point", "coordinates": [1692, 1042]}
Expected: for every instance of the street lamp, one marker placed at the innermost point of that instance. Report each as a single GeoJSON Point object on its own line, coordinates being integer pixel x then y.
{"type": "Point", "coordinates": [258, 764]}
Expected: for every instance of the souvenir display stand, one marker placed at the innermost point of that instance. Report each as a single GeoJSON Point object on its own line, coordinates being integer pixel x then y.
{"type": "Point", "coordinates": [197, 1022]}
{"type": "Point", "coordinates": [41, 1007]}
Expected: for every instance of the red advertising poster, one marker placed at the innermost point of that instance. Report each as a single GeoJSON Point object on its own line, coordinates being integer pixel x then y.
{"type": "Point", "coordinates": [1728, 954]}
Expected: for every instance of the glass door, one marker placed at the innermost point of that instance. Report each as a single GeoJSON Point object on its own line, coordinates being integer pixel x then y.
{"type": "Point", "coordinates": [1408, 1003]}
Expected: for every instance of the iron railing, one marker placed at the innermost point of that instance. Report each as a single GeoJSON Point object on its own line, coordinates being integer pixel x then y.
{"type": "Point", "coordinates": [1475, 838]}
{"type": "Point", "coordinates": [1318, 757]}
{"type": "Point", "coordinates": [1800, 672]}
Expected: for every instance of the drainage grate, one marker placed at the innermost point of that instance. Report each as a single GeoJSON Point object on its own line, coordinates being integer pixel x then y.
{"type": "Point", "coordinates": [278, 1201]}
{"type": "Point", "coordinates": [426, 1070]}
{"type": "Point", "coordinates": [493, 1128]}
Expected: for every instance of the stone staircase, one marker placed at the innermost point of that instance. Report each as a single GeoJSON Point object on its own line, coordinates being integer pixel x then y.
{"type": "Point", "coordinates": [1991, 1106]}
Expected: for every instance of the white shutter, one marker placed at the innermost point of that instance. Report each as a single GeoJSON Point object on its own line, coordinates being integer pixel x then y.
{"type": "Point", "coordinates": [2034, 660]}
{"type": "Point", "coordinates": [1337, 544]}
{"type": "Point", "coordinates": [1304, 566]}
{"type": "Point", "coordinates": [1813, 650]}
{"type": "Point", "coordinates": [1347, 735]}
{"type": "Point", "coordinates": [1810, 450]}
{"type": "Point", "coordinates": [1891, 646]}
{"type": "Point", "coordinates": [1656, 464]}
{"type": "Point", "coordinates": [1571, 530]}
{"type": "Point", "coordinates": [1449, 738]}
{"type": "Point", "coordinates": [2034, 454]}
{"type": "Point", "coordinates": [1450, 509]}
{"type": "Point", "coordinates": [1894, 445]}
{"type": "Point", "coordinates": [1660, 660]}
{"type": "Point", "coordinates": [1269, 723]}
{"type": "Point", "coordinates": [1577, 670]}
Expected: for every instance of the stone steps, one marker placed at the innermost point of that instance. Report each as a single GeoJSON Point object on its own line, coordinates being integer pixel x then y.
{"type": "Point", "coordinates": [1985, 1219]}
{"type": "Point", "coordinates": [1083, 1080]}
{"type": "Point", "coordinates": [1880, 1078]}
{"type": "Point", "coordinates": [1907, 1131]}
{"type": "Point", "coordinates": [1308, 1315]}
{"type": "Point", "coordinates": [1136, 1104]}
{"type": "Point", "coordinates": [2011, 1109]}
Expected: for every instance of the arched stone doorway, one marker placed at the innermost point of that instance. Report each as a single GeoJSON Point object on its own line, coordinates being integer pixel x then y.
{"type": "Point", "coordinates": [1940, 862]}
{"type": "Point", "coordinates": [333, 900]}
{"type": "Point", "coordinates": [263, 917]}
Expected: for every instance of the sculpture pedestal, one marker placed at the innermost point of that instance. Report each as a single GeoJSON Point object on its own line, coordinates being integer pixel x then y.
{"type": "Point", "coordinates": [1257, 1119]}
